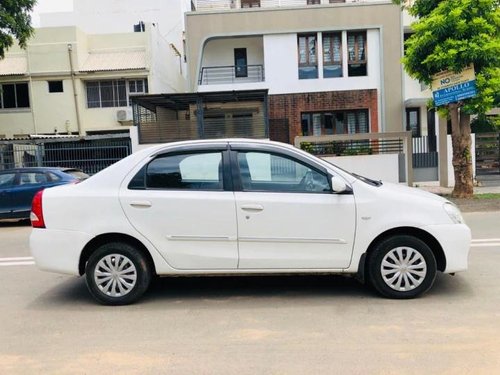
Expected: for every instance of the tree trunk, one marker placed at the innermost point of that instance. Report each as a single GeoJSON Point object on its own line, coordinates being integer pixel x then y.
{"type": "Point", "coordinates": [462, 157]}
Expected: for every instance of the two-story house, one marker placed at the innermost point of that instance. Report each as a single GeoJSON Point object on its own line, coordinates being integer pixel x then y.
{"type": "Point", "coordinates": [330, 67]}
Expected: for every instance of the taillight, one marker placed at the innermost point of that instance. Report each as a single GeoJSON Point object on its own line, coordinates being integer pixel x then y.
{"type": "Point", "coordinates": [36, 215]}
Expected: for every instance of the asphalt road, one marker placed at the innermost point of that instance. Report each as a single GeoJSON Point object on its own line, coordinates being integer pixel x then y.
{"type": "Point", "coordinates": [259, 325]}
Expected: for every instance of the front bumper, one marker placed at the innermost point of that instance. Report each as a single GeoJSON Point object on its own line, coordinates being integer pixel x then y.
{"type": "Point", "coordinates": [455, 240]}
{"type": "Point", "coordinates": [58, 250]}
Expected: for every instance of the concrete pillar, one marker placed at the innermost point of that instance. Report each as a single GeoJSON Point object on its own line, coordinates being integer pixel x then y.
{"type": "Point", "coordinates": [443, 152]}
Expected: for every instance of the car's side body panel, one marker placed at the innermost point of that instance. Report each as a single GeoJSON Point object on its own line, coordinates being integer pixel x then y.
{"type": "Point", "coordinates": [295, 230]}
{"type": "Point", "coordinates": [192, 232]}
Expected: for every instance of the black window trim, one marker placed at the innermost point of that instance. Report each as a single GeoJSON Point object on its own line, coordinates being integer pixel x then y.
{"type": "Point", "coordinates": [227, 183]}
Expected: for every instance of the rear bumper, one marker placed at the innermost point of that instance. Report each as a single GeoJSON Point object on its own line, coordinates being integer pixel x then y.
{"type": "Point", "coordinates": [58, 250]}
{"type": "Point", "coordinates": [455, 240]}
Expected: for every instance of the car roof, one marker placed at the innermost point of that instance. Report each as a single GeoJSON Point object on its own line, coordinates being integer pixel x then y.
{"type": "Point", "coordinates": [201, 142]}
{"type": "Point", "coordinates": [39, 169]}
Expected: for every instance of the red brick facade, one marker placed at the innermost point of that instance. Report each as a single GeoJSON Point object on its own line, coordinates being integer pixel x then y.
{"type": "Point", "coordinates": [289, 107]}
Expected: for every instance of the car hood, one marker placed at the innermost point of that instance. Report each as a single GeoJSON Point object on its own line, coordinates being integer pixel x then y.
{"type": "Point", "coordinates": [389, 187]}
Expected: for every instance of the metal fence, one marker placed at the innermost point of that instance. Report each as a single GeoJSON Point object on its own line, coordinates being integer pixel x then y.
{"type": "Point", "coordinates": [424, 153]}
{"type": "Point", "coordinates": [231, 74]}
{"type": "Point", "coordinates": [90, 154]}
{"type": "Point", "coordinates": [399, 143]}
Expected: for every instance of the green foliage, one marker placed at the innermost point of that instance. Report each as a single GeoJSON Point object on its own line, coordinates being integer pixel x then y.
{"type": "Point", "coordinates": [485, 124]}
{"type": "Point", "coordinates": [15, 22]}
{"type": "Point", "coordinates": [451, 35]}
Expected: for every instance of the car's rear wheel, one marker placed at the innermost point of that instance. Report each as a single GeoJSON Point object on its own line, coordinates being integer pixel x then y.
{"type": "Point", "coordinates": [402, 267]}
{"type": "Point", "coordinates": [117, 274]}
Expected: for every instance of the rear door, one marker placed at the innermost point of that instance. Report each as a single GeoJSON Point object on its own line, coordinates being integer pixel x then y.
{"type": "Point", "coordinates": [7, 181]}
{"type": "Point", "coordinates": [184, 204]}
{"type": "Point", "coordinates": [25, 189]}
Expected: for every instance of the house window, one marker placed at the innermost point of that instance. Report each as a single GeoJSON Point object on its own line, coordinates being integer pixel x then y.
{"type": "Point", "coordinates": [335, 122]}
{"type": "Point", "coordinates": [313, 2]}
{"type": "Point", "coordinates": [332, 55]}
{"type": "Point", "coordinates": [413, 121]}
{"type": "Point", "coordinates": [240, 62]}
{"type": "Point", "coordinates": [308, 60]}
{"type": "Point", "coordinates": [14, 95]}
{"type": "Point", "coordinates": [250, 3]}
{"type": "Point", "coordinates": [137, 87]}
{"type": "Point", "coordinates": [336, 1]}
{"type": "Point", "coordinates": [113, 93]}
{"type": "Point", "coordinates": [55, 86]}
{"type": "Point", "coordinates": [356, 51]}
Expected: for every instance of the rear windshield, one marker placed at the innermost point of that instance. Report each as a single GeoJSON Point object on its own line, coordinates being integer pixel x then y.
{"type": "Point", "coordinates": [77, 174]}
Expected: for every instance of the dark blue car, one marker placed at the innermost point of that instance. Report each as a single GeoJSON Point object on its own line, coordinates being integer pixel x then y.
{"type": "Point", "coordinates": [19, 186]}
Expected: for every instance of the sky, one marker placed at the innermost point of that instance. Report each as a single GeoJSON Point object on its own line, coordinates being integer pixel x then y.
{"type": "Point", "coordinates": [45, 6]}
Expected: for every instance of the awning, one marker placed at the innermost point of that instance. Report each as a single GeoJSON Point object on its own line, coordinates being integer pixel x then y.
{"type": "Point", "coordinates": [109, 61]}
{"type": "Point", "coordinates": [13, 66]}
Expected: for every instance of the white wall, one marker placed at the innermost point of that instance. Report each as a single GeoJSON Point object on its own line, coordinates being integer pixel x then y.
{"type": "Point", "coordinates": [377, 167]}
{"type": "Point", "coordinates": [220, 52]}
{"type": "Point", "coordinates": [281, 66]}
{"type": "Point", "coordinates": [120, 16]}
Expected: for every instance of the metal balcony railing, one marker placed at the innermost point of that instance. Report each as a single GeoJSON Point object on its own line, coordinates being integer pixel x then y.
{"type": "Point", "coordinates": [217, 5]}
{"type": "Point", "coordinates": [219, 75]}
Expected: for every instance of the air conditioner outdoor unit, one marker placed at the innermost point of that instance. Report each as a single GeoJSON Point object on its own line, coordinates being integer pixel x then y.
{"type": "Point", "coordinates": [124, 115]}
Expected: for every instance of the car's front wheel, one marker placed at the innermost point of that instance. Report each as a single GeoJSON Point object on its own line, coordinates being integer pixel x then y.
{"type": "Point", "coordinates": [401, 266]}
{"type": "Point", "coordinates": [117, 274]}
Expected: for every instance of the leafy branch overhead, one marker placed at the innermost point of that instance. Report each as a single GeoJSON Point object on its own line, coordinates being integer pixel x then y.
{"type": "Point", "coordinates": [451, 35]}
{"type": "Point", "coordinates": [15, 23]}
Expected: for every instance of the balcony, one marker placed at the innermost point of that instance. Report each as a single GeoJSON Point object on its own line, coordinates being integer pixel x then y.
{"type": "Point", "coordinates": [217, 5]}
{"type": "Point", "coordinates": [220, 75]}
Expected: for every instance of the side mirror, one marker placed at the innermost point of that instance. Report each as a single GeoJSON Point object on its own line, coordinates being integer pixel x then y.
{"type": "Point", "coordinates": [338, 185]}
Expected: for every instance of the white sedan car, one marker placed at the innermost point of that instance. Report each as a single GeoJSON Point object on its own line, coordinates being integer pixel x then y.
{"type": "Point", "coordinates": [242, 207]}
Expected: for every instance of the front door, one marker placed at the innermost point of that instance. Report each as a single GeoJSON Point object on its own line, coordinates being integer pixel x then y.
{"type": "Point", "coordinates": [181, 204]}
{"type": "Point", "coordinates": [288, 217]}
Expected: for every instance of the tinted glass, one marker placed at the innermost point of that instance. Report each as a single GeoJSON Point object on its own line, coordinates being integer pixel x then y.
{"type": "Point", "coordinates": [32, 178]}
{"type": "Point", "coordinates": [79, 175]}
{"type": "Point", "coordinates": [200, 171]}
{"type": "Point", "coordinates": [7, 180]}
{"type": "Point", "coordinates": [54, 177]}
{"type": "Point", "coordinates": [268, 172]}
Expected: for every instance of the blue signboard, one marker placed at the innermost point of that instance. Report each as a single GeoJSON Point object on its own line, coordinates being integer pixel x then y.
{"type": "Point", "coordinates": [455, 93]}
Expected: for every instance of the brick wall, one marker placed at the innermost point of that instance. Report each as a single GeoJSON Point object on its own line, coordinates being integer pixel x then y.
{"type": "Point", "coordinates": [290, 106]}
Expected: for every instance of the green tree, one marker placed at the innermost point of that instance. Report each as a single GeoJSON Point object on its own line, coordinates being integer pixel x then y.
{"type": "Point", "coordinates": [15, 23]}
{"type": "Point", "coordinates": [450, 35]}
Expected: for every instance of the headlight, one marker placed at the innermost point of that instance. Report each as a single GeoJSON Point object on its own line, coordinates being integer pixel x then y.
{"type": "Point", "coordinates": [454, 213]}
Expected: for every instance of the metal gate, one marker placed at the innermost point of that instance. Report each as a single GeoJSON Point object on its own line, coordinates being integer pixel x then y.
{"type": "Point", "coordinates": [488, 154]}
{"type": "Point", "coordinates": [90, 154]}
{"type": "Point", "coordinates": [425, 159]}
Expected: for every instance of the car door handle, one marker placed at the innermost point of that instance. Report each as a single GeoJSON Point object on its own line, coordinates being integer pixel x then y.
{"type": "Point", "coordinates": [141, 204]}
{"type": "Point", "coordinates": [252, 207]}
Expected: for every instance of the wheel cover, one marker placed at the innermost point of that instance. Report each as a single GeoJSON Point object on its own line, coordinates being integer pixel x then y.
{"type": "Point", "coordinates": [115, 275]}
{"type": "Point", "coordinates": [403, 269]}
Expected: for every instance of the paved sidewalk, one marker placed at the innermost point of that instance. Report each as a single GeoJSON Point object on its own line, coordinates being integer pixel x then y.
{"type": "Point", "coordinates": [470, 205]}
{"type": "Point", "coordinates": [447, 191]}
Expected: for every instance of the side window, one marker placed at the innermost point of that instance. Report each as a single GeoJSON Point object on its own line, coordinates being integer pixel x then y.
{"type": "Point", "coordinates": [32, 178]}
{"type": "Point", "coordinates": [7, 180]}
{"type": "Point", "coordinates": [199, 171]}
{"type": "Point", "coordinates": [261, 171]}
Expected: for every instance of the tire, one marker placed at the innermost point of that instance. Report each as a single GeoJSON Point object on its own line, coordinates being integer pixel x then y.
{"type": "Point", "coordinates": [401, 267]}
{"type": "Point", "coordinates": [117, 274]}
